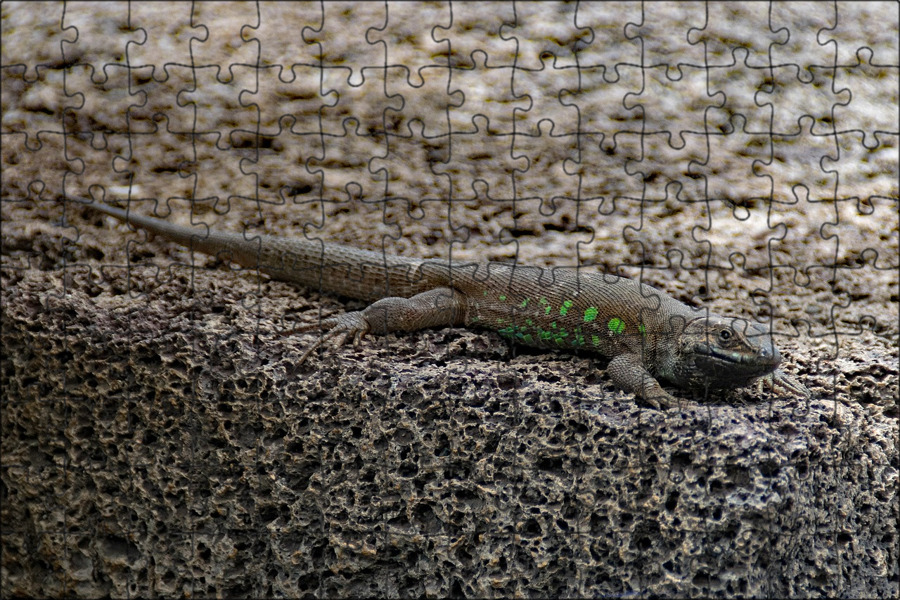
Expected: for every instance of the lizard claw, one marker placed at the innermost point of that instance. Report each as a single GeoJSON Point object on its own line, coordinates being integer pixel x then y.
{"type": "Point", "coordinates": [779, 380]}
{"type": "Point", "coordinates": [661, 401]}
{"type": "Point", "coordinates": [342, 328]}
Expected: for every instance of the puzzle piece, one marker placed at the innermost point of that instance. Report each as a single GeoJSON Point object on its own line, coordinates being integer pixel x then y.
{"type": "Point", "coordinates": [160, 437]}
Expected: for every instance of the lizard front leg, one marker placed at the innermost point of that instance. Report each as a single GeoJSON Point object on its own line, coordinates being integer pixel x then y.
{"type": "Point", "coordinates": [629, 373]}
{"type": "Point", "coordinates": [779, 380]}
{"type": "Point", "coordinates": [440, 307]}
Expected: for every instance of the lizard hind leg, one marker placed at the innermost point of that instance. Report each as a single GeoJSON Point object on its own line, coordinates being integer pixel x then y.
{"type": "Point", "coordinates": [343, 328]}
{"type": "Point", "coordinates": [439, 307]}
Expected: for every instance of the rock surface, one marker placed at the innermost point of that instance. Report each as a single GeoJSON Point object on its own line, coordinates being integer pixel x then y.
{"type": "Point", "coordinates": [160, 439]}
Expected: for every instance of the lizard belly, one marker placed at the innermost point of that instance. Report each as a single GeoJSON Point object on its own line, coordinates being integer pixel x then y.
{"type": "Point", "coordinates": [580, 312]}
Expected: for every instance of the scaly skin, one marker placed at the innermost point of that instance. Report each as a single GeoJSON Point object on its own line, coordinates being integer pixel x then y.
{"type": "Point", "coordinates": [646, 334]}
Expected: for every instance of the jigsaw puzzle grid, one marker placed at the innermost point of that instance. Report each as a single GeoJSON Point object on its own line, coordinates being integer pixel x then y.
{"type": "Point", "coordinates": [744, 153]}
{"type": "Point", "coordinates": [530, 114]}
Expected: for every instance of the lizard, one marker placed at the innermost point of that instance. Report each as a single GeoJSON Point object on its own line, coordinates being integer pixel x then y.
{"type": "Point", "coordinates": [645, 334]}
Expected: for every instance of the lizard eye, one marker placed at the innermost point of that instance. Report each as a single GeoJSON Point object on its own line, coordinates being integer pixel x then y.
{"type": "Point", "coordinates": [725, 335]}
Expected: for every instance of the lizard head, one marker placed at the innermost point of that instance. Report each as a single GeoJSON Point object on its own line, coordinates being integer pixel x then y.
{"type": "Point", "coordinates": [723, 352]}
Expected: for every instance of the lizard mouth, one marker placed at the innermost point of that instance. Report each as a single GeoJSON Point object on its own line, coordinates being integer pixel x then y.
{"type": "Point", "coordinates": [765, 358]}
{"type": "Point", "coordinates": [729, 366]}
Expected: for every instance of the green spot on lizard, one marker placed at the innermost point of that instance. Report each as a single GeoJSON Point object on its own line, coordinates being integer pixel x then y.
{"type": "Point", "coordinates": [616, 326]}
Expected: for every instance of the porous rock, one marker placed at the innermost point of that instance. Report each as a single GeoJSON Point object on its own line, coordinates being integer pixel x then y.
{"type": "Point", "coordinates": [164, 446]}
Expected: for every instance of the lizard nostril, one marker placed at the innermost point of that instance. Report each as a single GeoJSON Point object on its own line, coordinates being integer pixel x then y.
{"type": "Point", "coordinates": [770, 352]}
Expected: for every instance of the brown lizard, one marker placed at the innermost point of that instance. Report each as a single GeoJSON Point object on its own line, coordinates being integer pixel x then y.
{"type": "Point", "coordinates": [646, 334]}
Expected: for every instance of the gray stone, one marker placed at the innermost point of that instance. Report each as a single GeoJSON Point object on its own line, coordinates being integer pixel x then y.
{"type": "Point", "coordinates": [150, 447]}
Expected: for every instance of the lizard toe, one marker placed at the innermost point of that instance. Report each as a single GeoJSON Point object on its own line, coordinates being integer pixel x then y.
{"type": "Point", "coordinates": [778, 380]}
{"type": "Point", "coordinates": [662, 400]}
{"type": "Point", "coordinates": [348, 327]}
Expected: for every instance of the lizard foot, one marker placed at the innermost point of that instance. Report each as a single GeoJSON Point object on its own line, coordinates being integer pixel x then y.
{"type": "Point", "coordinates": [342, 328]}
{"type": "Point", "coordinates": [660, 400]}
{"type": "Point", "coordinates": [778, 380]}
